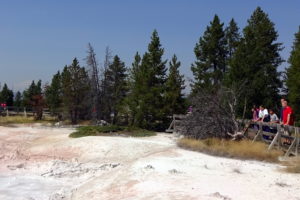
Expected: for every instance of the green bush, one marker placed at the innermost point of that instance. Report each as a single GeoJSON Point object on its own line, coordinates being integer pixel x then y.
{"type": "Point", "coordinates": [106, 130]}
{"type": "Point", "coordinates": [138, 132]}
{"type": "Point", "coordinates": [95, 130]}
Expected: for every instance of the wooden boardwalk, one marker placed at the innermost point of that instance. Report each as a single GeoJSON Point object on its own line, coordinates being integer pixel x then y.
{"type": "Point", "coordinates": [26, 112]}
{"type": "Point", "coordinates": [175, 124]}
{"type": "Point", "coordinates": [286, 138]}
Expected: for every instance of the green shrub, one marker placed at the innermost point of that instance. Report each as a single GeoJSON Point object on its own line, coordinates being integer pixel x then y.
{"type": "Point", "coordinates": [138, 132]}
{"type": "Point", "coordinates": [95, 130]}
{"type": "Point", "coordinates": [106, 130]}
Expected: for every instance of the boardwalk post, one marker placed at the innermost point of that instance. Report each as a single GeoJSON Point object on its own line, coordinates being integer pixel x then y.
{"type": "Point", "coordinates": [25, 114]}
{"type": "Point", "coordinates": [289, 149]}
{"type": "Point", "coordinates": [294, 144]}
{"type": "Point", "coordinates": [279, 141]}
{"type": "Point", "coordinates": [277, 138]}
{"type": "Point", "coordinates": [259, 132]}
{"type": "Point", "coordinates": [175, 124]}
{"type": "Point", "coordinates": [174, 119]}
{"type": "Point", "coordinates": [297, 140]}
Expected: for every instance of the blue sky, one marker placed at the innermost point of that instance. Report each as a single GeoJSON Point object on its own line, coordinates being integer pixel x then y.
{"type": "Point", "coordinates": [37, 38]}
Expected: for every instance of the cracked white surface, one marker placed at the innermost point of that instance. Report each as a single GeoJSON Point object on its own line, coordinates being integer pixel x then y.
{"type": "Point", "coordinates": [44, 163]}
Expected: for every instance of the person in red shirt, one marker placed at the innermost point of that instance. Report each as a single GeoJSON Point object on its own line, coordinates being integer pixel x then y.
{"type": "Point", "coordinates": [287, 118]}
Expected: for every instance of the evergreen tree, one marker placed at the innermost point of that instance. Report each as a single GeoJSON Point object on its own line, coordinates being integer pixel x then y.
{"type": "Point", "coordinates": [255, 62]}
{"type": "Point", "coordinates": [174, 86]}
{"type": "Point", "coordinates": [210, 65]}
{"type": "Point", "coordinates": [27, 93]}
{"type": "Point", "coordinates": [53, 94]}
{"type": "Point", "coordinates": [33, 98]}
{"type": "Point", "coordinates": [233, 38]}
{"type": "Point", "coordinates": [135, 90]}
{"type": "Point", "coordinates": [7, 96]}
{"type": "Point", "coordinates": [293, 76]}
{"type": "Point", "coordinates": [18, 99]}
{"type": "Point", "coordinates": [75, 89]}
{"type": "Point", "coordinates": [34, 89]}
{"type": "Point", "coordinates": [152, 77]}
{"type": "Point", "coordinates": [117, 86]}
{"type": "Point", "coordinates": [105, 111]}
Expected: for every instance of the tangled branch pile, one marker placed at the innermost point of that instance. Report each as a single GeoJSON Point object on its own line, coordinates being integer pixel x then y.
{"type": "Point", "coordinates": [213, 115]}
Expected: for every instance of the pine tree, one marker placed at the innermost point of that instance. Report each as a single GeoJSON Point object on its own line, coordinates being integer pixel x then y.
{"type": "Point", "coordinates": [210, 65]}
{"type": "Point", "coordinates": [144, 95]}
{"type": "Point", "coordinates": [7, 95]}
{"type": "Point", "coordinates": [255, 62]}
{"type": "Point", "coordinates": [53, 94]}
{"type": "Point", "coordinates": [75, 89]}
{"type": "Point", "coordinates": [233, 38]}
{"type": "Point", "coordinates": [293, 76]}
{"type": "Point", "coordinates": [34, 89]}
{"type": "Point", "coordinates": [105, 111]}
{"type": "Point", "coordinates": [18, 100]}
{"type": "Point", "coordinates": [174, 86]}
{"type": "Point", "coordinates": [151, 77]}
{"type": "Point", "coordinates": [135, 90]}
{"type": "Point", "coordinates": [117, 86]}
{"type": "Point", "coordinates": [33, 98]}
{"type": "Point", "coordinates": [27, 93]}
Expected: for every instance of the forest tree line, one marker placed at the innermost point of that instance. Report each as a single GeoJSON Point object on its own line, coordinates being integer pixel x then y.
{"type": "Point", "coordinates": [151, 89]}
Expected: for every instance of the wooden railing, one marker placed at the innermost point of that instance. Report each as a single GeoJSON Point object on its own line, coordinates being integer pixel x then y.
{"type": "Point", "coordinates": [175, 124]}
{"type": "Point", "coordinates": [286, 137]}
{"type": "Point", "coordinates": [21, 111]}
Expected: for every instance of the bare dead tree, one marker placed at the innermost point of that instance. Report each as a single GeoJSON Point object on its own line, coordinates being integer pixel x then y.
{"type": "Point", "coordinates": [95, 82]}
{"type": "Point", "coordinates": [214, 114]}
{"type": "Point", "coordinates": [104, 96]}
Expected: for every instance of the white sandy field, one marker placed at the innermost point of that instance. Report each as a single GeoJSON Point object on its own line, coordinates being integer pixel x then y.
{"type": "Point", "coordinates": [38, 163]}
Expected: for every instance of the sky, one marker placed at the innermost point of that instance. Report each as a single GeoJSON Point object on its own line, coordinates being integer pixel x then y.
{"type": "Point", "coordinates": [40, 37]}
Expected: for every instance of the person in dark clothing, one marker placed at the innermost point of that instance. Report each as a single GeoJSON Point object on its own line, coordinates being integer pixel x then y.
{"type": "Point", "coordinates": [282, 108]}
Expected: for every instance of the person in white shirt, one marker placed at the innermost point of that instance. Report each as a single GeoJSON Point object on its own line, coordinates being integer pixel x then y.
{"type": "Point", "coordinates": [263, 114]}
{"type": "Point", "coordinates": [264, 117]}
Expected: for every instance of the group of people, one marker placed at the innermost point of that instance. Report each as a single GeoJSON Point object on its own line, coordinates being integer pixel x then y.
{"type": "Point", "coordinates": [268, 115]}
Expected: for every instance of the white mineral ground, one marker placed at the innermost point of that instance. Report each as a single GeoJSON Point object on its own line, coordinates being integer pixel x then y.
{"type": "Point", "coordinates": [39, 163]}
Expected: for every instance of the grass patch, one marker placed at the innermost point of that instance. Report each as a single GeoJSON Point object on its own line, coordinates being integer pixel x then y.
{"type": "Point", "coordinates": [293, 166]}
{"type": "Point", "coordinates": [95, 130]}
{"type": "Point", "coordinates": [23, 120]}
{"type": "Point", "coordinates": [226, 148]}
{"type": "Point", "coordinates": [138, 132]}
{"type": "Point", "coordinates": [110, 130]}
{"type": "Point", "coordinates": [79, 122]}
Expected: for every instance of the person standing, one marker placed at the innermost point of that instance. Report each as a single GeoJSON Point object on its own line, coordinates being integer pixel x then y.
{"type": "Point", "coordinates": [273, 120]}
{"type": "Point", "coordinates": [282, 109]}
{"type": "Point", "coordinates": [264, 117]}
{"type": "Point", "coordinates": [255, 117]}
{"type": "Point", "coordinates": [255, 112]}
{"type": "Point", "coordinates": [287, 119]}
{"type": "Point", "coordinates": [287, 114]}
{"type": "Point", "coordinates": [263, 114]}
